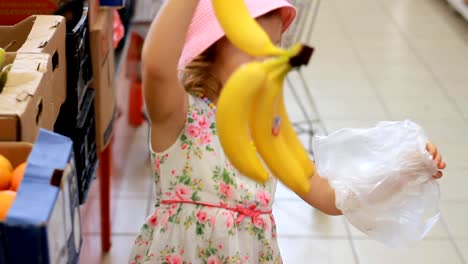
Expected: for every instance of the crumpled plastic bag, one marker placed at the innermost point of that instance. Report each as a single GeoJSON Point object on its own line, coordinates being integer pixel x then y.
{"type": "Point", "coordinates": [382, 178]}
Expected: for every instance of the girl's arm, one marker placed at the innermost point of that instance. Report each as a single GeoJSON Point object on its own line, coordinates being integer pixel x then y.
{"type": "Point", "coordinates": [321, 196]}
{"type": "Point", "coordinates": [165, 97]}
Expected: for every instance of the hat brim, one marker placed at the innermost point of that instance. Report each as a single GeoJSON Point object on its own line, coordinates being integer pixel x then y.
{"type": "Point", "coordinates": [205, 29]}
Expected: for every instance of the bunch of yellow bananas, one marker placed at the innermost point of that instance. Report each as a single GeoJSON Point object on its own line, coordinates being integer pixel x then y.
{"type": "Point", "coordinates": [4, 72]}
{"type": "Point", "coordinates": [251, 106]}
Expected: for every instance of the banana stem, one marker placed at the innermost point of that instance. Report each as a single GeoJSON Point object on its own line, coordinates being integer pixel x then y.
{"type": "Point", "coordinates": [273, 63]}
{"type": "Point", "coordinates": [302, 57]}
{"type": "Point", "coordinates": [279, 73]}
{"type": "Point", "coordinates": [296, 56]}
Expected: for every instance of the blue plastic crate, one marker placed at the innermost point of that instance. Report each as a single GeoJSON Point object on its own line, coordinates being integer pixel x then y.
{"type": "Point", "coordinates": [113, 3]}
{"type": "Point", "coordinates": [43, 224]}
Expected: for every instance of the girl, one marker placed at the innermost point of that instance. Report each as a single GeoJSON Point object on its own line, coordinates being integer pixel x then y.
{"type": "Point", "coordinates": [206, 212]}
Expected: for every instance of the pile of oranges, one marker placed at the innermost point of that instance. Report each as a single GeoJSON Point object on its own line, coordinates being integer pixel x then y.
{"type": "Point", "coordinates": [10, 180]}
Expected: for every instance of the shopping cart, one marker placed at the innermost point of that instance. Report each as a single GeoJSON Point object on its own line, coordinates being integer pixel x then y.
{"type": "Point", "coordinates": [301, 31]}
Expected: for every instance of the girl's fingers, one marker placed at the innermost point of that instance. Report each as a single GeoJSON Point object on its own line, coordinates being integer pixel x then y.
{"type": "Point", "coordinates": [442, 165]}
{"type": "Point", "coordinates": [431, 149]}
{"type": "Point", "coordinates": [438, 175]}
{"type": "Point", "coordinates": [438, 159]}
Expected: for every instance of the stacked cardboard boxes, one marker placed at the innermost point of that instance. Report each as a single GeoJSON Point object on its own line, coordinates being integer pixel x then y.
{"type": "Point", "coordinates": [61, 80]}
{"type": "Point", "coordinates": [36, 85]}
{"type": "Point", "coordinates": [102, 53]}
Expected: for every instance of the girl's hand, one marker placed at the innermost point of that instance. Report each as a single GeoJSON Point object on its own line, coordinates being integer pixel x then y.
{"type": "Point", "coordinates": [437, 159]}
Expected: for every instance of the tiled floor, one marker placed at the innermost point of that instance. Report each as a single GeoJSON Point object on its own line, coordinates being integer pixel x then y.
{"type": "Point", "coordinates": [375, 60]}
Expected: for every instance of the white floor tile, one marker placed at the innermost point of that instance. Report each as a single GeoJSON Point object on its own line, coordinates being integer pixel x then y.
{"type": "Point", "coordinates": [340, 88]}
{"type": "Point", "coordinates": [462, 245]}
{"type": "Point", "coordinates": [413, 87]}
{"type": "Point", "coordinates": [456, 216]}
{"type": "Point", "coordinates": [453, 184]}
{"type": "Point", "coordinates": [305, 250]}
{"type": "Point", "coordinates": [334, 125]}
{"type": "Point", "coordinates": [327, 23]}
{"type": "Point", "coordinates": [450, 72]}
{"type": "Point", "coordinates": [455, 89]}
{"type": "Point", "coordinates": [428, 252]}
{"type": "Point", "coordinates": [296, 97]}
{"type": "Point", "coordinates": [332, 48]}
{"type": "Point", "coordinates": [120, 250]}
{"type": "Point", "coordinates": [447, 131]}
{"type": "Point", "coordinates": [443, 49]}
{"type": "Point", "coordinates": [334, 69]}
{"type": "Point", "coordinates": [297, 218]}
{"type": "Point", "coordinates": [462, 104]}
{"type": "Point", "coordinates": [380, 72]}
{"type": "Point", "coordinates": [283, 193]}
{"type": "Point", "coordinates": [362, 108]}
{"type": "Point", "coordinates": [454, 154]}
{"type": "Point", "coordinates": [137, 184]}
{"type": "Point", "coordinates": [131, 214]}
{"type": "Point", "coordinates": [437, 232]}
{"type": "Point", "coordinates": [421, 108]}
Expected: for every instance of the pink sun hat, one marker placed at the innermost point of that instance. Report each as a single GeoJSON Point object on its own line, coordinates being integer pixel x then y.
{"type": "Point", "coordinates": [205, 29]}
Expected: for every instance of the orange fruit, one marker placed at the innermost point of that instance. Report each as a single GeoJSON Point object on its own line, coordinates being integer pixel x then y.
{"type": "Point", "coordinates": [5, 173]}
{"type": "Point", "coordinates": [17, 176]}
{"type": "Point", "coordinates": [6, 200]}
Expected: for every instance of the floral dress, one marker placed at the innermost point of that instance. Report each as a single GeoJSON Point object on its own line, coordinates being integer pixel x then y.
{"type": "Point", "coordinates": [205, 211]}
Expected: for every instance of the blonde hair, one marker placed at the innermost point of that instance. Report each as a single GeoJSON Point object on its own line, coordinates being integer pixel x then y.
{"type": "Point", "coordinates": [197, 77]}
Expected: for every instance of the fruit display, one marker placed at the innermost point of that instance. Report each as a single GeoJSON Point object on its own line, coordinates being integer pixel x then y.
{"type": "Point", "coordinates": [6, 170]}
{"type": "Point", "coordinates": [6, 200]}
{"type": "Point", "coordinates": [4, 70]}
{"type": "Point", "coordinates": [10, 180]}
{"type": "Point", "coordinates": [39, 204]}
{"type": "Point", "coordinates": [252, 102]}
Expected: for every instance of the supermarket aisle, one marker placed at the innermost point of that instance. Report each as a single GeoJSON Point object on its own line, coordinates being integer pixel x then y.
{"type": "Point", "coordinates": [375, 60]}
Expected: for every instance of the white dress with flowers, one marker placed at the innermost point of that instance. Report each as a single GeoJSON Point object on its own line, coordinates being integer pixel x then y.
{"type": "Point", "coordinates": [205, 211]}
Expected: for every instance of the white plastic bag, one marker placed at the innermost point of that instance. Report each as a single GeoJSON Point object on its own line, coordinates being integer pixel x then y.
{"type": "Point", "coordinates": [382, 178]}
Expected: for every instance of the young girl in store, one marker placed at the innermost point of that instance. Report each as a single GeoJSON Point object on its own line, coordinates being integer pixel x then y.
{"type": "Point", "coordinates": [206, 211]}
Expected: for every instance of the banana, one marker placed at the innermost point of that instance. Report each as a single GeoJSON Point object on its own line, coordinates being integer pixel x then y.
{"type": "Point", "coordinates": [233, 116]}
{"type": "Point", "coordinates": [243, 30]}
{"type": "Point", "coordinates": [300, 55]}
{"type": "Point", "coordinates": [273, 148]}
{"type": "Point", "coordinates": [4, 76]}
{"type": "Point", "coordinates": [288, 134]}
{"type": "Point", "coordinates": [250, 99]}
{"type": "Point", "coordinates": [2, 57]}
{"type": "Point", "coordinates": [233, 107]}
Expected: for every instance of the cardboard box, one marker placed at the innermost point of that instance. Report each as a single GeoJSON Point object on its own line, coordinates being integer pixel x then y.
{"type": "Point", "coordinates": [43, 224]}
{"type": "Point", "coordinates": [41, 34]}
{"type": "Point", "coordinates": [93, 10]}
{"type": "Point", "coordinates": [102, 54]}
{"type": "Point", "coordinates": [27, 102]}
{"type": "Point", "coordinates": [16, 152]}
{"type": "Point", "coordinates": [14, 11]}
